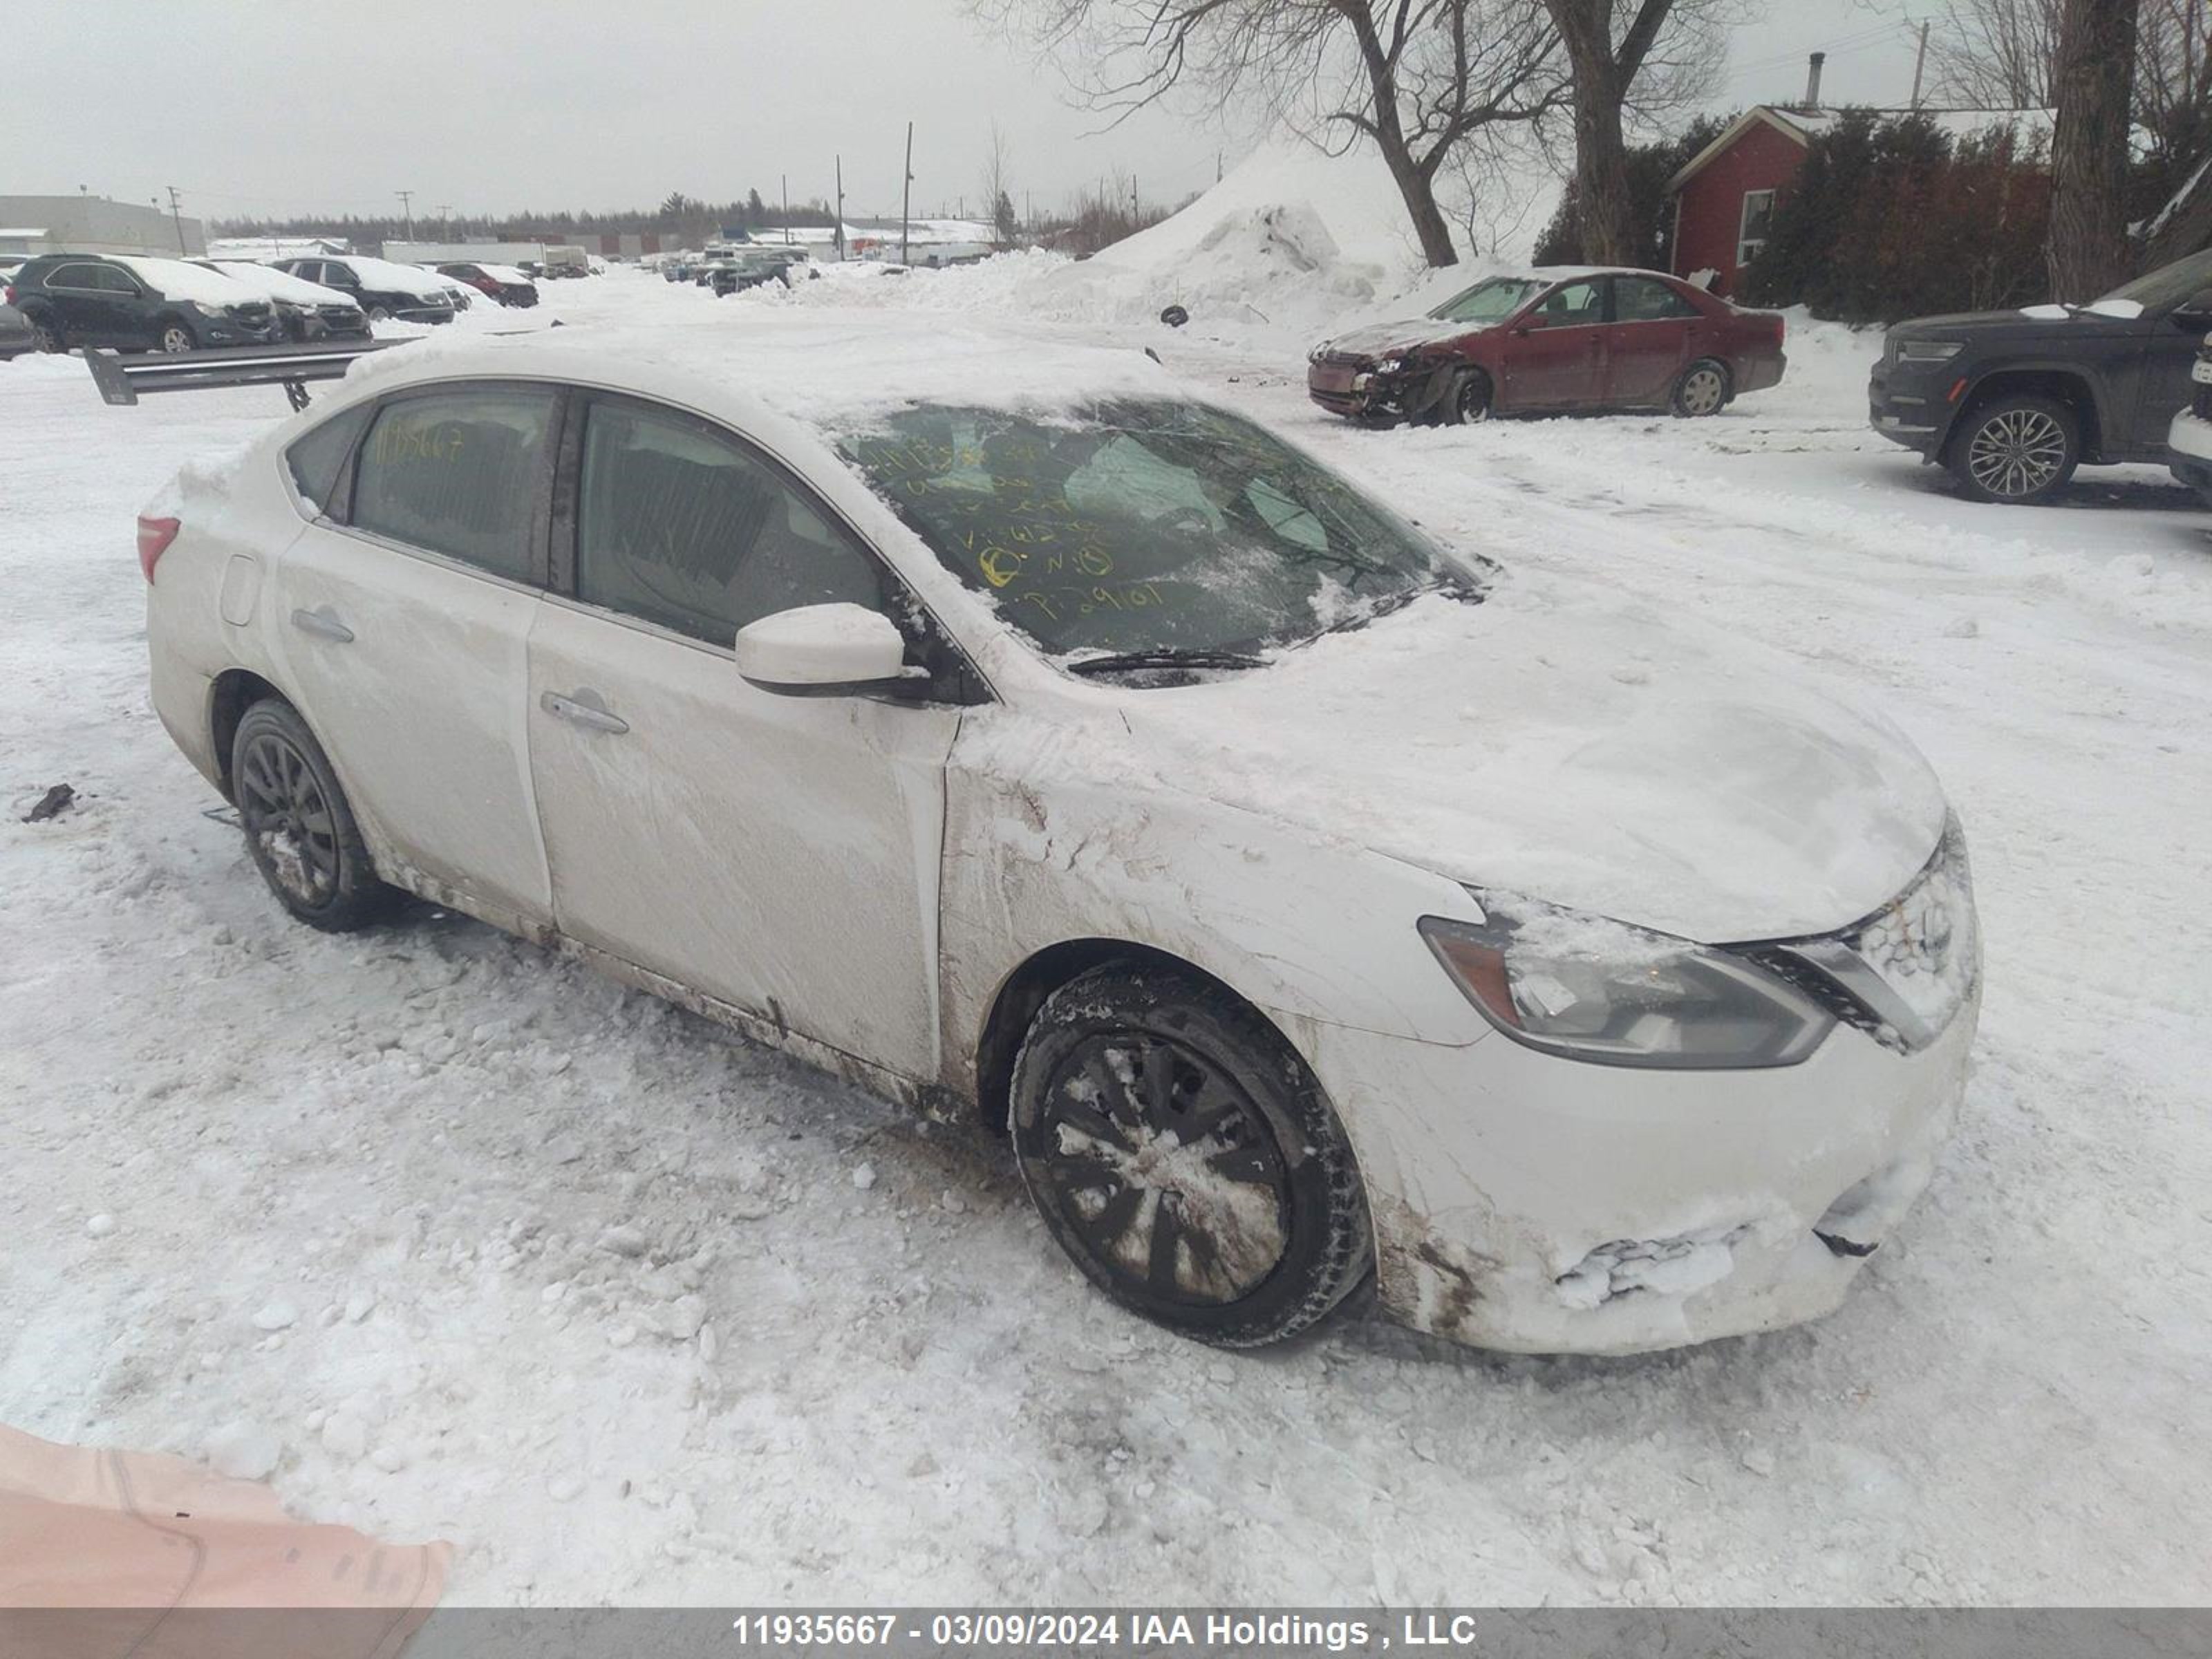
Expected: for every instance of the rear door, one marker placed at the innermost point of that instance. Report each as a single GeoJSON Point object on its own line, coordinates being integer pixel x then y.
{"type": "Point", "coordinates": [86, 311]}
{"type": "Point", "coordinates": [1647, 344]}
{"type": "Point", "coordinates": [1555, 352]}
{"type": "Point", "coordinates": [778, 854]}
{"type": "Point", "coordinates": [403, 615]}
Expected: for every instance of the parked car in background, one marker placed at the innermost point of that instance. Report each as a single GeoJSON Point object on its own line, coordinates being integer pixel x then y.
{"type": "Point", "coordinates": [750, 269]}
{"type": "Point", "coordinates": [307, 311]}
{"type": "Point", "coordinates": [385, 291]}
{"type": "Point", "coordinates": [2012, 402]}
{"type": "Point", "coordinates": [503, 283]}
{"type": "Point", "coordinates": [132, 302]}
{"type": "Point", "coordinates": [2189, 438]}
{"type": "Point", "coordinates": [1299, 894]}
{"type": "Point", "coordinates": [1549, 342]}
{"type": "Point", "coordinates": [16, 335]}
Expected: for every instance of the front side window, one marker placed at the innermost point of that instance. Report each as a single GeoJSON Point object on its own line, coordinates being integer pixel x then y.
{"type": "Point", "coordinates": [1645, 299]}
{"type": "Point", "coordinates": [1145, 524]}
{"type": "Point", "coordinates": [679, 525]}
{"type": "Point", "coordinates": [457, 472]}
{"type": "Point", "coordinates": [1573, 305]}
{"type": "Point", "coordinates": [1757, 217]}
{"type": "Point", "coordinates": [109, 280]}
{"type": "Point", "coordinates": [1491, 302]}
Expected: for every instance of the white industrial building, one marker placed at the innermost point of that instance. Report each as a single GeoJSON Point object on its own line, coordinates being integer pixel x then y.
{"type": "Point", "coordinates": [31, 225]}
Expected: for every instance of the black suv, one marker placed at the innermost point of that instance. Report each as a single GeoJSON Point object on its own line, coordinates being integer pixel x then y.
{"type": "Point", "coordinates": [366, 280]}
{"type": "Point", "coordinates": [2011, 402]}
{"type": "Point", "coordinates": [135, 305]}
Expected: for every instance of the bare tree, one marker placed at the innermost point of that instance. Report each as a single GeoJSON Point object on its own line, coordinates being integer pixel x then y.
{"type": "Point", "coordinates": [2088, 248]}
{"type": "Point", "coordinates": [1607, 43]}
{"type": "Point", "coordinates": [1994, 54]}
{"type": "Point", "coordinates": [998, 187]}
{"type": "Point", "coordinates": [1418, 78]}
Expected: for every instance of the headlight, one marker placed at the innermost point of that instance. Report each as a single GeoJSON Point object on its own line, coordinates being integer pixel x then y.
{"type": "Point", "coordinates": [1389, 365]}
{"type": "Point", "coordinates": [1929, 351]}
{"type": "Point", "coordinates": [1592, 989]}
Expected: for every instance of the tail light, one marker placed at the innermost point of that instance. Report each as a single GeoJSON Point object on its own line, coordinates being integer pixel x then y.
{"type": "Point", "coordinates": [155, 535]}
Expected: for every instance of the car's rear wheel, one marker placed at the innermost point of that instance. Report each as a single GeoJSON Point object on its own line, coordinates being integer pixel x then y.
{"type": "Point", "coordinates": [1185, 1158]}
{"type": "Point", "coordinates": [1703, 389]}
{"type": "Point", "coordinates": [174, 337]}
{"type": "Point", "coordinates": [380, 313]}
{"type": "Point", "coordinates": [300, 828]}
{"type": "Point", "coordinates": [2020, 449]}
{"type": "Point", "coordinates": [46, 335]}
{"type": "Point", "coordinates": [1468, 403]}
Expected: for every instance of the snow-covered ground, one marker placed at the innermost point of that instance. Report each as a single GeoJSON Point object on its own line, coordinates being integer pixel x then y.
{"type": "Point", "coordinates": [462, 1241]}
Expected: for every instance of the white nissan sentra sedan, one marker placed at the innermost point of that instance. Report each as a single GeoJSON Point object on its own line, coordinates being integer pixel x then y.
{"type": "Point", "coordinates": [999, 725]}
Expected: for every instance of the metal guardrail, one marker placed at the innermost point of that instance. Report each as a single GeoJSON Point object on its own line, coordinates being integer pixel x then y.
{"type": "Point", "coordinates": [124, 380]}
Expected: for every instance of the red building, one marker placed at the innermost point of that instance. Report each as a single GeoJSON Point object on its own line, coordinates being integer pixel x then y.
{"type": "Point", "coordinates": [1725, 196]}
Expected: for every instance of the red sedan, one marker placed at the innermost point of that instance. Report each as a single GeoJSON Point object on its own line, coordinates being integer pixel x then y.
{"type": "Point", "coordinates": [1549, 342]}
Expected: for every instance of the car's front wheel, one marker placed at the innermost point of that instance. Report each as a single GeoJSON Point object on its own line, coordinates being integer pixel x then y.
{"type": "Point", "coordinates": [380, 313]}
{"type": "Point", "coordinates": [2021, 449]}
{"type": "Point", "coordinates": [300, 828]}
{"type": "Point", "coordinates": [1468, 403]}
{"type": "Point", "coordinates": [1186, 1159]}
{"type": "Point", "coordinates": [174, 337]}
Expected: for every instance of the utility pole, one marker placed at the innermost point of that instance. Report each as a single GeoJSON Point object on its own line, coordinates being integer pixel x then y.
{"type": "Point", "coordinates": [906, 195]}
{"type": "Point", "coordinates": [841, 210]}
{"type": "Point", "coordinates": [177, 218]}
{"type": "Point", "coordinates": [407, 205]}
{"type": "Point", "coordinates": [785, 177]}
{"type": "Point", "coordinates": [1919, 63]}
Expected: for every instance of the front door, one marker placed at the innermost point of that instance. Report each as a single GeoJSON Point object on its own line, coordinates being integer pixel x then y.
{"type": "Point", "coordinates": [2168, 354]}
{"type": "Point", "coordinates": [777, 853]}
{"type": "Point", "coordinates": [403, 631]}
{"type": "Point", "coordinates": [1648, 343]}
{"type": "Point", "coordinates": [1555, 352]}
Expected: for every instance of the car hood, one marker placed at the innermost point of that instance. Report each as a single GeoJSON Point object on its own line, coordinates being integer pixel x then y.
{"type": "Point", "coordinates": [1385, 340]}
{"type": "Point", "coordinates": [2042, 323]}
{"type": "Point", "coordinates": [1558, 746]}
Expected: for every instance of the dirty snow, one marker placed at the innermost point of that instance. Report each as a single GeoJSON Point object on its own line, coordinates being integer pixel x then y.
{"type": "Point", "coordinates": [632, 1311]}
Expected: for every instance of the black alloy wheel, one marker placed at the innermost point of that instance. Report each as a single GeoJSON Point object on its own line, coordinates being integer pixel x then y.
{"type": "Point", "coordinates": [300, 828]}
{"type": "Point", "coordinates": [1185, 1159]}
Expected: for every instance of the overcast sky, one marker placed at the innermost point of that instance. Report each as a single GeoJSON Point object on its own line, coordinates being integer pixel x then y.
{"type": "Point", "coordinates": [496, 106]}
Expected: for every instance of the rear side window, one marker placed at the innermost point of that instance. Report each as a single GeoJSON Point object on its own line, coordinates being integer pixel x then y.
{"type": "Point", "coordinates": [315, 459]}
{"type": "Point", "coordinates": [458, 473]}
{"type": "Point", "coordinates": [1640, 299]}
{"type": "Point", "coordinates": [77, 276]}
{"type": "Point", "coordinates": [679, 525]}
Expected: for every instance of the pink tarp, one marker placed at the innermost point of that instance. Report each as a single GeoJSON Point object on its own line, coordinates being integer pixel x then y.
{"type": "Point", "coordinates": [109, 1553]}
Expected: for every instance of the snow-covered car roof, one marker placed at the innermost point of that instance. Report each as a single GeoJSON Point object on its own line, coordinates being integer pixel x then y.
{"type": "Point", "coordinates": [275, 284]}
{"type": "Point", "coordinates": [500, 273]}
{"type": "Point", "coordinates": [179, 280]}
{"type": "Point", "coordinates": [826, 374]}
{"type": "Point", "coordinates": [397, 278]}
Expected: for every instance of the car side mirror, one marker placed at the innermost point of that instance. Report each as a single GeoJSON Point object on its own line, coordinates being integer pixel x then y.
{"type": "Point", "coordinates": [825, 651]}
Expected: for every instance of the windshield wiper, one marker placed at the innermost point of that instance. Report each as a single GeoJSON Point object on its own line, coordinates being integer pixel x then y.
{"type": "Point", "coordinates": [1166, 657]}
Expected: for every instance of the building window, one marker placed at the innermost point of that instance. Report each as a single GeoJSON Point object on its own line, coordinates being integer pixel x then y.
{"type": "Point", "coordinates": [1758, 216]}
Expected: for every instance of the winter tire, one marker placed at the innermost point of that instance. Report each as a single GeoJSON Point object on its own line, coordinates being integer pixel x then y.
{"type": "Point", "coordinates": [300, 828]}
{"type": "Point", "coordinates": [1467, 402]}
{"type": "Point", "coordinates": [174, 338]}
{"type": "Point", "coordinates": [1703, 389]}
{"type": "Point", "coordinates": [379, 314]}
{"type": "Point", "coordinates": [46, 336]}
{"type": "Point", "coordinates": [1186, 1159]}
{"type": "Point", "coordinates": [2021, 449]}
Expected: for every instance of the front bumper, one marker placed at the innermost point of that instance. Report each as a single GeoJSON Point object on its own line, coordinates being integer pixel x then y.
{"type": "Point", "coordinates": [2189, 443]}
{"type": "Point", "coordinates": [1529, 1203]}
{"type": "Point", "coordinates": [1911, 406]}
{"type": "Point", "coordinates": [224, 330]}
{"type": "Point", "coordinates": [1351, 387]}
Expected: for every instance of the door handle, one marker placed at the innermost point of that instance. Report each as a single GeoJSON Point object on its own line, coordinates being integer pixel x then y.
{"type": "Point", "coordinates": [324, 625]}
{"type": "Point", "coordinates": [577, 711]}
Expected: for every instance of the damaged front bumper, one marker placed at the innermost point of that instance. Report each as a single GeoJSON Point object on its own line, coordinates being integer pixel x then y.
{"type": "Point", "coordinates": [1532, 1204]}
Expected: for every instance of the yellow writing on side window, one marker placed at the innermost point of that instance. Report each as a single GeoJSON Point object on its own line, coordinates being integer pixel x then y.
{"type": "Point", "coordinates": [436, 440]}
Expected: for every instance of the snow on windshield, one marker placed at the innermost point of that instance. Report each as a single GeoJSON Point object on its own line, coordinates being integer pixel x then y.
{"type": "Point", "coordinates": [1143, 525]}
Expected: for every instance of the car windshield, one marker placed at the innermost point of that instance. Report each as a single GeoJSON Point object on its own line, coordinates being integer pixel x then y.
{"type": "Point", "coordinates": [1491, 302]}
{"type": "Point", "coordinates": [1145, 526]}
{"type": "Point", "coordinates": [2169, 285]}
